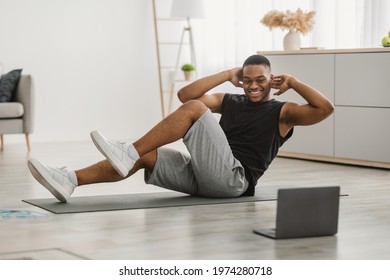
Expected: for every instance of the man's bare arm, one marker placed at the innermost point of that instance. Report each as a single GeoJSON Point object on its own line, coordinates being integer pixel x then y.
{"type": "Point", "coordinates": [318, 107]}
{"type": "Point", "coordinates": [198, 89]}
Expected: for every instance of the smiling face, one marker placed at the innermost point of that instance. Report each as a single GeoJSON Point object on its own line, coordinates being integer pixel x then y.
{"type": "Point", "coordinates": [256, 82]}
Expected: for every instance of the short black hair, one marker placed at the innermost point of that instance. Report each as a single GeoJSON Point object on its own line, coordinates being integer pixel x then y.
{"type": "Point", "coordinates": [257, 59]}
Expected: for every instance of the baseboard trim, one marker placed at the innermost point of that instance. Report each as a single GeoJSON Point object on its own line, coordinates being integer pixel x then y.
{"type": "Point", "coordinates": [345, 161]}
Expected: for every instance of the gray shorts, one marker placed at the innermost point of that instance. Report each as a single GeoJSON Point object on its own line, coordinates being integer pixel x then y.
{"type": "Point", "coordinates": [210, 170]}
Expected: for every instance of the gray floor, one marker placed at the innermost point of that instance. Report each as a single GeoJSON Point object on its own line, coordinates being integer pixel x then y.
{"type": "Point", "coordinates": [194, 232]}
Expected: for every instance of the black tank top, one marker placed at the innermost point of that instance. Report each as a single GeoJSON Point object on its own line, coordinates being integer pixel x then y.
{"type": "Point", "coordinates": [252, 130]}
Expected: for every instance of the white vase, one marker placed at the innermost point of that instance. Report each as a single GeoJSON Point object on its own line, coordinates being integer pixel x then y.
{"type": "Point", "coordinates": [187, 75]}
{"type": "Point", "coordinates": [292, 41]}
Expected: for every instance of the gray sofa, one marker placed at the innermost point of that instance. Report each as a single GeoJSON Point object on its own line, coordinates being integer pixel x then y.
{"type": "Point", "coordinates": [18, 116]}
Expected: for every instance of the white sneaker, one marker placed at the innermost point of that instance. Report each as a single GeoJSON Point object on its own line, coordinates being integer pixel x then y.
{"type": "Point", "coordinates": [55, 180]}
{"type": "Point", "coordinates": [115, 152]}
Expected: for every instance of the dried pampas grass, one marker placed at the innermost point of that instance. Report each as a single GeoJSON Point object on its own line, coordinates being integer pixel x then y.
{"type": "Point", "coordinates": [298, 21]}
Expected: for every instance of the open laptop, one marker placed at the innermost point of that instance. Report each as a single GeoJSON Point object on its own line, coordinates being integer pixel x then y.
{"type": "Point", "coordinates": [305, 212]}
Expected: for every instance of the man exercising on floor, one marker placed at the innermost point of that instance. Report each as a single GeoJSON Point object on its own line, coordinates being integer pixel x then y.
{"type": "Point", "coordinates": [226, 158]}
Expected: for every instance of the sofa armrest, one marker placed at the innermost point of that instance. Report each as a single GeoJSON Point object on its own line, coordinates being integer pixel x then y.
{"type": "Point", "coordinates": [25, 95]}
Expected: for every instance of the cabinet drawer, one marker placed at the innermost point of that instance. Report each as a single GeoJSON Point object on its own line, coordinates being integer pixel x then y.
{"type": "Point", "coordinates": [362, 79]}
{"type": "Point", "coordinates": [362, 133]}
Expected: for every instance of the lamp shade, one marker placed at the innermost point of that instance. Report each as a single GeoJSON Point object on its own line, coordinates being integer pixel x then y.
{"type": "Point", "coordinates": [187, 8]}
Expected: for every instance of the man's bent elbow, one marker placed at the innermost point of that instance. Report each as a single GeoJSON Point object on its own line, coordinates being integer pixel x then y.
{"type": "Point", "coordinates": [327, 110]}
{"type": "Point", "coordinates": [182, 96]}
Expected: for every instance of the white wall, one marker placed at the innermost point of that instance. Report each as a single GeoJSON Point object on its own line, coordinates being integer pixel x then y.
{"type": "Point", "coordinates": [93, 62]}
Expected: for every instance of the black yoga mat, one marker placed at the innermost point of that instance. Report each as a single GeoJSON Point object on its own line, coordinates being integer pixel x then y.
{"type": "Point", "coordinates": [137, 201]}
{"type": "Point", "coordinates": [141, 201]}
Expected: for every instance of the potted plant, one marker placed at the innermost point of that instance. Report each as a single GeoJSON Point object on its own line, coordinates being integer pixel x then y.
{"type": "Point", "coordinates": [187, 69]}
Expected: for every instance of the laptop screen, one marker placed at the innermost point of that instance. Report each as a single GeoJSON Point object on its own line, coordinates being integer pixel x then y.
{"type": "Point", "coordinates": [303, 212]}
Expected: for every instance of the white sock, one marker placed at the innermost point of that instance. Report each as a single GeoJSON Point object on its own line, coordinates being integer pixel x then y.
{"type": "Point", "coordinates": [73, 178]}
{"type": "Point", "coordinates": [132, 152]}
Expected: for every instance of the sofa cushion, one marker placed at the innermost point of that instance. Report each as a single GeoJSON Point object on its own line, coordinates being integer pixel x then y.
{"type": "Point", "coordinates": [8, 84]}
{"type": "Point", "coordinates": [11, 110]}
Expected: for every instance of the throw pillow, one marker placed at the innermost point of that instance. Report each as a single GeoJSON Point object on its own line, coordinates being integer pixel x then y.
{"type": "Point", "coordinates": [8, 84]}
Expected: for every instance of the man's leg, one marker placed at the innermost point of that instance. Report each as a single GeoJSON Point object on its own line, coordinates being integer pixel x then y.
{"type": "Point", "coordinates": [59, 182]}
{"type": "Point", "coordinates": [103, 171]}
{"type": "Point", "coordinates": [172, 128]}
{"type": "Point", "coordinates": [169, 130]}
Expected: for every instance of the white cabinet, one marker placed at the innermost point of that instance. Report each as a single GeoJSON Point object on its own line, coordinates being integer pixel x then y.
{"type": "Point", "coordinates": [357, 82]}
{"type": "Point", "coordinates": [362, 85]}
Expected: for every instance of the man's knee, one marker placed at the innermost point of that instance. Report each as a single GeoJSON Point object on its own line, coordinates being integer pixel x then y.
{"type": "Point", "coordinates": [195, 108]}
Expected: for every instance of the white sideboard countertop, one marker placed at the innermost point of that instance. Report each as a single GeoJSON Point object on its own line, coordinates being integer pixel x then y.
{"type": "Point", "coordinates": [326, 51]}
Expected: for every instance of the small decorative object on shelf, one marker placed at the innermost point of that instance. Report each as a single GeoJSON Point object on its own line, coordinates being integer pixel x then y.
{"type": "Point", "coordinates": [386, 40]}
{"type": "Point", "coordinates": [296, 23]}
{"type": "Point", "coordinates": [187, 69]}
